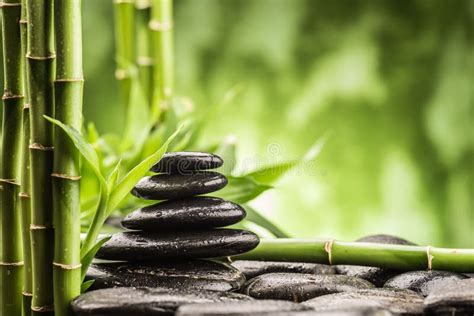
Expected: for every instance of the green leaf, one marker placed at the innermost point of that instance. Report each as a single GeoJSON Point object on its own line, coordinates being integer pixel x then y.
{"type": "Point", "coordinates": [129, 180]}
{"type": "Point", "coordinates": [227, 151]}
{"type": "Point", "coordinates": [255, 217]}
{"type": "Point", "coordinates": [86, 149]}
{"type": "Point", "coordinates": [87, 259]}
{"type": "Point", "coordinates": [272, 173]}
{"type": "Point", "coordinates": [242, 189]}
{"type": "Point", "coordinates": [114, 176]}
{"type": "Point", "coordinates": [86, 285]}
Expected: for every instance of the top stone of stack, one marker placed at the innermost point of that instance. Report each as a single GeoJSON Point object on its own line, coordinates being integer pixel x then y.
{"type": "Point", "coordinates": [186, 162]}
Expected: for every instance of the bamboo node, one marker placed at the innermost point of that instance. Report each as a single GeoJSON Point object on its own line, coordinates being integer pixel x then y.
{"type": "Point", "coordinates": [9, 96]}
{"type": "Point", "coordinates": [121, 74]}
{"type": "Point", "coordinates": [27, 294]}
{"type": "Point", "coordinates": [26, 106]}
{"type": "Point", "coordinates": [12, 264]}
{"type": "Point", "coordinates": [10, 181]}
{"type": "Point", "coordinates": [40, 227]}
{"type": "Point", "coordinates": [23, 21]}
{"type": "Point", "coordinates": [144, 61]}
{"type": "Point", "coordinates": [65, 176]}
{"type": "Point", "coordinates": [38, 146]}
{"type": "Point", "coordinates": [7, 4]}
{"type": "Point", "coordinates": [67, 266]}
{"type": "Point", "coordinates": [159, 26]}
{"type": "Point", "coordinates": [51, 56]}
{"type": "Point", "coordinates": [65, 80]}
{"type": "Point", "coordinates": [143, 4]}
{"type": "Point", "coordinates": [430, 257]}
{"type": "Point", "coordinates": [123, 1]}
{"type": "Point", "coordinates": [328, 248]}
{"type": "Point", "coordinates": [24, 195]}
{"type": "Point", "coordinates": [42, 309]}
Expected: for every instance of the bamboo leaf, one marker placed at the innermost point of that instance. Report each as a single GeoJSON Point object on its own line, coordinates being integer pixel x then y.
{"type": "Point", "coordinates": [86, 149]}
{"type": "Point", "coordinates": [86, 285]}
{"type": "Point", "coordinates": [272, 173]}
{"type": "Point", "coordinates": [129, 180]}
{"type": "Point", "coordinates": [114, 176]}
{"type": "Point", "coordinates": [242, 189]}
{"type": "Point", "coordinates": [255, 217]}
{"type": "Point", "coordinates": [87, 259]}
{"type": "Point", "coordinates": [227, 151]}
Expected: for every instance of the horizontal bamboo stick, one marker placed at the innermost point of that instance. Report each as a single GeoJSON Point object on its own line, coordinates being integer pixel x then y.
{"type": "Point", "coordinates": [330, 251]}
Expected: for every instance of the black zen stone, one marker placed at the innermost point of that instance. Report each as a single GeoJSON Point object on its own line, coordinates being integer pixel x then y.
{"type": "Point", "coordinates": [404, 302]}
{"type": "Point", "coordinates": [139, 246]}
{"type": "Point", "coordinates": [300, 287]}
{"type": "Point", "coordinates": [129, 301]}
{"type": "Point", "coordinates": [177, 186]}
{"type": "Point", "coordinates": [251, 268]}
{"type": "Point", "coordinates": [422, 282]}
{"type": "Point", "coordinates": [185, 162]}
{"type": "Point", "coordinates": [377, 276]}
{"type": "Point", "coordinates": [188, 213]}
{"type": "Point", "coordinates": [454, 298]}
{"type": "Point", "coordinates": [195, 274]}
{"type": "Point", "coordinates": [255, 307]}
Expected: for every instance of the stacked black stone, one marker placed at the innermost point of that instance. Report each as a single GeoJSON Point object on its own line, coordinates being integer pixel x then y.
{"type": "Point", "coordinates": [184, 227]}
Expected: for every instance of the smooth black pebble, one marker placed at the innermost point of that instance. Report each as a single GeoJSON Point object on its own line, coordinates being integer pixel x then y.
{"type": "Point", "coordinates": [255, 307]}
{"type": "Point", "coordinates": [188, 213]}
{"type": "Point", "coordinates": [144, 301]}
{"type": "Point", "coordinates": [454, 298]}
{"type": "Point", "coordinates": [195, 274]}
{"type": "Point", "coordinates": [177, 186]}
{"type": "Point", "coordinates": [251, 268]}
{"type": "Point", "coordinates": [139, 246]}
{"type": "Point", "coordinates": [404, 302]}
{"type": "Point", "coordinates": [375, 275]}
{"type": "Point", "coordinates": [185, 161]}
{"type": "Point", "coordinates": [422, 282]}
{"type": "Point", "coordinates": [300, 287]}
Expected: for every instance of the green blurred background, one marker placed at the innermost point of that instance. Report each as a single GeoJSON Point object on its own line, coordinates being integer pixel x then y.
{"type": "Point", "coordinates": [389, 83]}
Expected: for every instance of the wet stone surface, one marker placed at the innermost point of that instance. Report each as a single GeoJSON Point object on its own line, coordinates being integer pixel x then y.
{"type": "Point", "coordinates": [252, 268]}
{"type": "Point", "coordinates": [174, 186]}
{"type": "Point", "coordinates": [140, 246]}
{"type": "Point", "coordinates": [300, 287]}
{"type": "Point", "coordinates": [184, 162]}
{"type": "Point", "coordinates": [255, 307]}
{"type": "Point", "coordinates": [453, 298]}
{"type": "Point", "coordinates": [423, 282]}
{"type": "Point", "coordinates": [377, 276]}
{"type": "Point", "coordinates": [404, 302]}
{"type": "Point", "coordinates": [189, 213]}
{"type": "Point", "coordinates": [144, 301]}
{"type": "Point", "coordinates": [195, 274]}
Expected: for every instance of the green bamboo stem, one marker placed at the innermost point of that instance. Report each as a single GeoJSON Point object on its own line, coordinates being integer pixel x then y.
{"type": "Point", "coordinates": [124, 11]}
{"type": "Point", "coordinates": [25, 194]}
{"type": "Point", "coordinates": [400, 257]}
{"type": "Point", "coordinates": [66, 174]}
{"type": "Point", "coordinates": [40, 65]}
{"type": "Point", "coordinates": [161, 25]}
{"type": "Point", "coordinates": [144, 58]}
{"type": "Point", "coordinates": [11, 261]}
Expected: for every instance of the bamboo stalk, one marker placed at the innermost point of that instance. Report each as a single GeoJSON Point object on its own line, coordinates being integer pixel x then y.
{"type": "Point", "coordinates": [66, 175]}
{"type": "Point", "coordinates": [40, 65]}
{"type": "Point", "coordinates": [124, 12]}
{"type": "Point", "coordinates": [25, 194]}
{"type": "Point", "coordinates": [400, 257]}
{"type": "Point", "coordinates": [144, 59]}
{"type": "Point", "coordinates": [161, 25]}
{"type": "Point", "coordinates": [11, 261]}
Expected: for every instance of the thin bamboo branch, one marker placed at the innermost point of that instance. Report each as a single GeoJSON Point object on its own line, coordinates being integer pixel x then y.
{"type": "Point", "coordinates": [400, 257]}
{"type": "Point", "coordinates": [124, 12]}
{"type": "Point", "coordinates": [11, 261]}
{"type": "Point", "coordinates": [144, 59]}
{"type": "Point", "coordinates": [66, 175]}
{"type": "Point", "coordinates": [40, 65]}
{"type": "Point", "coordinates": [161, 25]}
